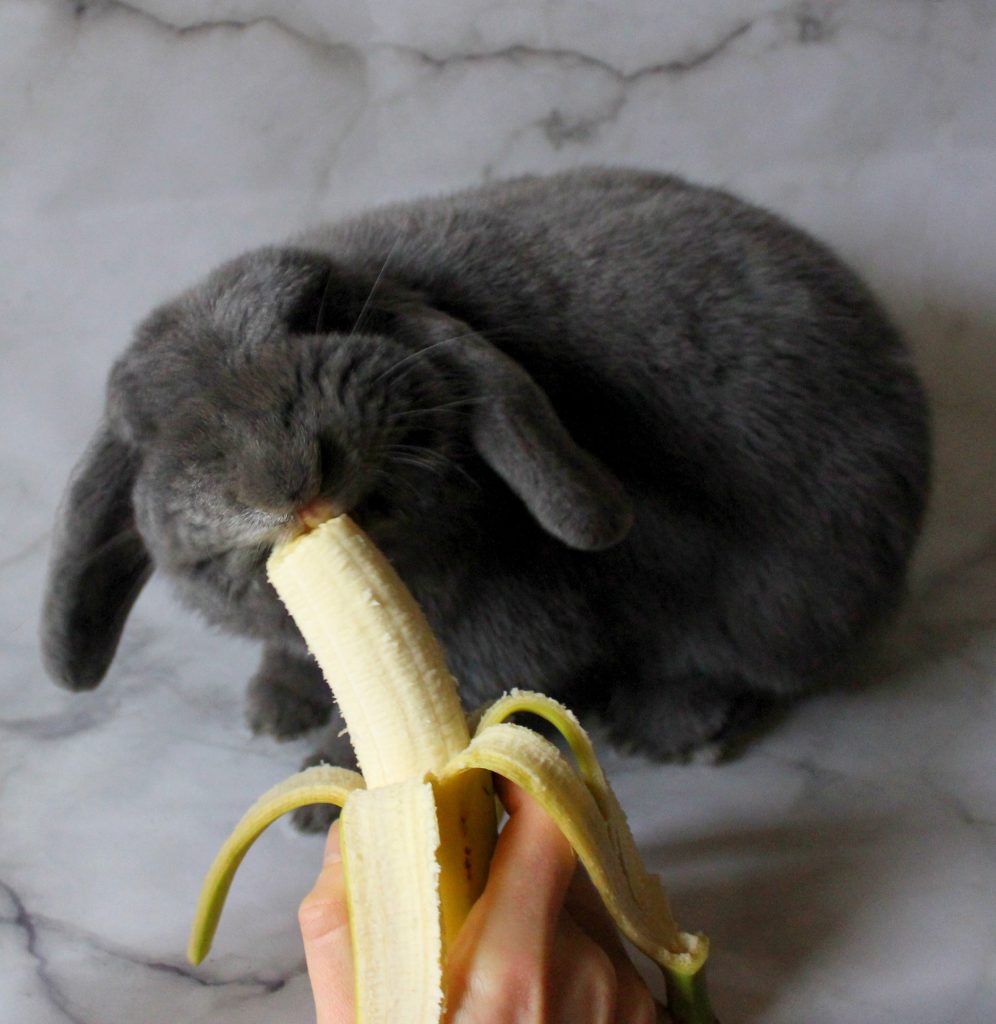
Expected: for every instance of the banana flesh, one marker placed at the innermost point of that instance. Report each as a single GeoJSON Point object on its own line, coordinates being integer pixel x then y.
{"type": "Point", "coordinates": [419, 827]}
{"type": "Point", "coordinates": [380, 657]}
{"type": "Point", "coordinates": [389, 840]}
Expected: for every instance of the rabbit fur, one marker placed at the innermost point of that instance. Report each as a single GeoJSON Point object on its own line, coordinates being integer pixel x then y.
{"type": "Point", "coordinates": [629, 441]}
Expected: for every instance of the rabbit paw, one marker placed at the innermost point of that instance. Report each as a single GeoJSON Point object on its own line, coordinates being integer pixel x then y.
{"type": "Point", "coordinates": [287, 697]}
{"type": "Point", "coordinates": [694, 721]}
{"type": "Point", "coordinates": [319, 817]}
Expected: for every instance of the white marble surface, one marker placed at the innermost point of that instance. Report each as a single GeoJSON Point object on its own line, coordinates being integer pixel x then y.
{"type": "Point", "coordinates": [846, 866]}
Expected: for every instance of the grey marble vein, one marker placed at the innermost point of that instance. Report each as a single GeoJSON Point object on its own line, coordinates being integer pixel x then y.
{"type": "Point", "coordinates": [83, 9]}
{"type": "Point", "coordinates": [25, 550]}
{"type": "Point", "coordinates": [520, 54]}
{"type": "Point", "coordinates": [33, 929]}
{"type": "Point", "coordinates": [22, 922]}
{"type": "Point", "coordinates": [93, 711]}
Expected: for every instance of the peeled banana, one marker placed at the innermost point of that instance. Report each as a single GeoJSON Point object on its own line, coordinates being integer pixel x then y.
{"type": "Point", "coordinates": [419, 824]}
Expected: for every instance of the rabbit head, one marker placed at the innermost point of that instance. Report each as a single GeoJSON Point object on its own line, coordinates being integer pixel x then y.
{"type": "Point", "coordinates": [281, 381]}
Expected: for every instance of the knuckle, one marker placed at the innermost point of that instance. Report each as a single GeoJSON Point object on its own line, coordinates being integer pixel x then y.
{"type": "Point", "coordinates": [321, 918]}
{"type": "Point", "coordinates": [599, 986]}
{"type": "Point", "coordinates": [522, 992]}
{"type": "Point", "coordinates": [510, 991]}
{"type": "Point", "coordinates": [643, 1008]}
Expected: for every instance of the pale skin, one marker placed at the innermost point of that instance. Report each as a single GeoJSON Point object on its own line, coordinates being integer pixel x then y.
{"type": "Point", "coordinates": [537, 948]}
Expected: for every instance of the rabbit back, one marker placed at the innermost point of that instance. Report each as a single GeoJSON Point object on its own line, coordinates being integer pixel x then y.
{"type": "Point", "coordinates": [686, 452]}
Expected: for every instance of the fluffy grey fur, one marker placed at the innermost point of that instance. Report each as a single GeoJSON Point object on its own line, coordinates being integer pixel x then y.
{"type": "Point", "coordinates": [630, 441]}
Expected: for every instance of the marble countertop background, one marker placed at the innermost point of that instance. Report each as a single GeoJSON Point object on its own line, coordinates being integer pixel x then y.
{"type": "Point", "coordinates": [845, 867]}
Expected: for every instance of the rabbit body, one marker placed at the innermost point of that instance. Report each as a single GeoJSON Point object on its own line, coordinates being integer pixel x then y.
{"type": "Point", "coordinates": [630, 441]}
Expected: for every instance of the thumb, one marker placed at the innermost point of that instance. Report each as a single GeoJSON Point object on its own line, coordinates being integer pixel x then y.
{"type": "Point", "coordinates": [324, 921]}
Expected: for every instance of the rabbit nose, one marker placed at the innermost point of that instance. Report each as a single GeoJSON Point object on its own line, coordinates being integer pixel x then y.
{"type": "Point", "coordinates": [274, 486]}
{"type": "Point", "coordinates": [316, 511]}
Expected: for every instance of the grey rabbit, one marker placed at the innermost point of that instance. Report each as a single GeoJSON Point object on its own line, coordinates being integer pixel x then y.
{"type": "Point", "coordinates": [630, 441]}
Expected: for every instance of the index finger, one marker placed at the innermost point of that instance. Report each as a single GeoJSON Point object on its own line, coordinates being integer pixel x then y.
{"type": "Point", "coordinates": [503, 951]}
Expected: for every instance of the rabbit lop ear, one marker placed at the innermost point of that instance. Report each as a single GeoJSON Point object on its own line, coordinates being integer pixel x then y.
{"type": "Point", "coordinates": [519, 435]}
{"type": "Point", "coordinates": [99, 565]}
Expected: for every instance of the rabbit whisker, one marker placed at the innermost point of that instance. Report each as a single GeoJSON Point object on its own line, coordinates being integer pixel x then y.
{"type": "Point", "coordinates": [122, 538]}
{"type": "Point", "coordinates": [373, 288]}
{"type": "Point", "coordinates": [418, 353]}
{"type": "Point", "coordinates": [430, 409]}
{"type": "Point", "coordinates": [432, 460]}
{"type": "Point", "coordinates": [321, 305]}
{"type": "Point", "coordinates": [393, 481]}
{"type": "Point", "coordinates": [413, 460]}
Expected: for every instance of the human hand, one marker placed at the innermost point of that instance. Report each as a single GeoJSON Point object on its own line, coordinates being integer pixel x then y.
{"type": "Point", "coordinates": [537, 946]}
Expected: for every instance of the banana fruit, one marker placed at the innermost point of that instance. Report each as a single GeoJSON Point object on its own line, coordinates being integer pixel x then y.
{"type": "Point", "coordinates": [419, 825]}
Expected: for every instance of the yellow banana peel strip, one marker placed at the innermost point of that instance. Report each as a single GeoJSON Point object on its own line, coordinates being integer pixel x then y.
{"type": "Point", "coordinates": [681, 955]}
{"type": "Point", "coordinates": [566, 723]}
{"type": "Point", "coordinates": [634, 898]}
{"type": "Point", "coordinates": [468, 828]}
{"type": "Point", "coordinates": [322, 784]}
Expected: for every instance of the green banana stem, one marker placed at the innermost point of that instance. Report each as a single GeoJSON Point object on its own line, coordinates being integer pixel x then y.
{"type": "Point", "coordinates": [688, 997]}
